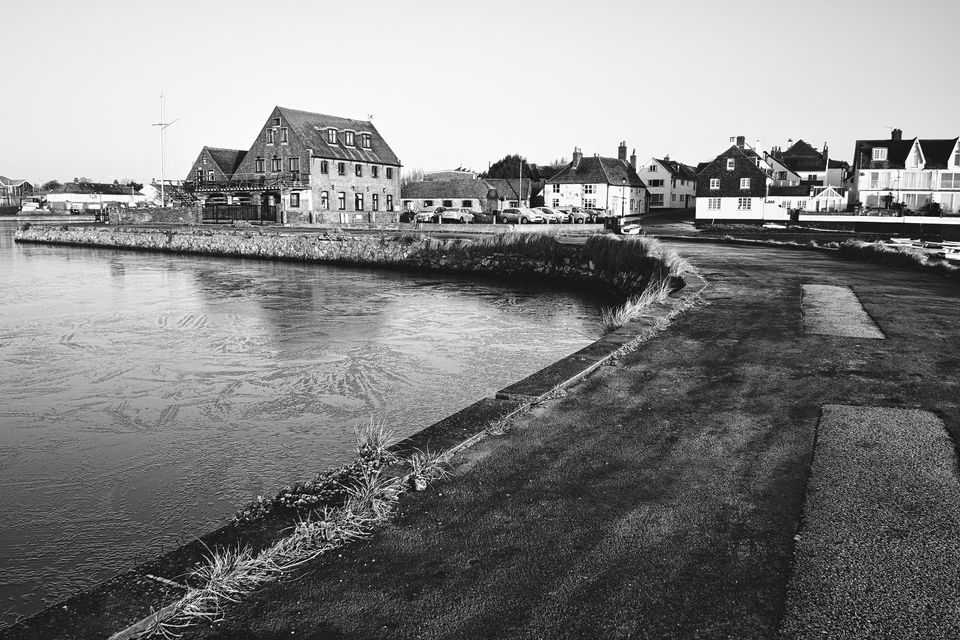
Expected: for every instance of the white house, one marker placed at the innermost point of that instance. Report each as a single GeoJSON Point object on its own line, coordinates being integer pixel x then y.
{"type": "Point", "coordinates": [609, 184]}
{"type": "Point", "coordinates": [672, 185]}
{"type": "Point", "coordinates": [917, 174]}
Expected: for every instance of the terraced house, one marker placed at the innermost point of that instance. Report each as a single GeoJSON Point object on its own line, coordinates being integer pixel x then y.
{"type": "Point", "coordinates": [672, 184]}
{"type": "Point", "coordinates": [302, 167]}
{"type": "Point", "coordinates": [611, 185]}
{"type": "Point", "coordinates": [919, 174]}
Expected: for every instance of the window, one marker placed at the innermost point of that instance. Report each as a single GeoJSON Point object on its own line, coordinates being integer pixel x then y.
{"type": "Point", "coordinates": [802, 205]}
{"type": "Point", "coordinates": [880, 153]}
{"type": "Point", "coordinates": [781, 175]}
{"type": "Point", "coordinates": [590, 203]}
{"type": "Point", "coordinates": [555, 188]}
{"type": "Point", "coordinates": [466, 203]}
{"type": "Point", "coordinates": [270, 134]}
{"type": "Point", "coordinates": [341, 201]}
{"type": "Point", "coordinates": [294, 200]}
{"type": "Point", "coordinates": [654, 183]}
{"type": "Point", "coordinates": [348, 138]}
{"type": "Point", "coordinates": [448, 203]}
{"type": "Point", "coordinates": [375, 201]}
{"type": "Point", "coordinates": [259, 164]}
{"type": "Point", "coordinates": [744, 183]}
{"type": "Point", "coordinates": [325, 200]}
{"type": "Point", "coordinates": [276, 122]}
{"type": "Point", "coordinates": [713, 204]}
{"type": "Point", "coordinates": [324, 166]}
{"type": "Point", "coordinates": [341, 169]}
{"type": "Point", "coordinates": [743, 204]}
{"type": "Point", "coordinates": [283, 135]}
{"type": "Point", "coordinates": [947, 180]}
{"type": "Point", "coordinates": [389, 202]}
{"type": "Point", "coordinates": [956, 159]}
{"type": "Point", "coordinates": [656, 199]}
{"type": "Point", "coordinates": [331, 136]}
{"type": "Point", "coordinates": [358, 170]}
{"type": "Point", "coordinates": [673, 197]}
{"type": "Point", "coordinates": [786, 204]}
{"type": "Point", "coordinates": [375, 171]}
{"type": "Point", "coordinates": [811, 177]}
{"type": "Point", "coordinates": [556, 203]}
{"type": "Point", "coordinates": [731, 164]}
{"type": "Point", "coordinates": [514, 203]}
{"type": "Point", "coordinates": [276, 164]}
{"type": "Point", "coordinates": [294, 165]}
{"type": "Point", "coordinates": [358, 201]}
{"type": "Point", "coordinates": [714, 184]}
{"type": "Point", "coordinates": [210, 175]}
{"type": "Point", "coordinates": [589, 188]}
{"type": "Point", "coordinates": [653, 168]}
{"type": "Point", "coordinates": [365, 142]}
{"type": "Point", "coordinates": [389, 173]}
{"type": "Point", "coordinates": [428, 203]}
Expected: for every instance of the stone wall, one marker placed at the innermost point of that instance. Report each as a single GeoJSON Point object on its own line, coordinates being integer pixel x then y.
{"type": "Point", "coordinates": [521, 254]}
{"type": "Point", "coordinates": [156, 215]}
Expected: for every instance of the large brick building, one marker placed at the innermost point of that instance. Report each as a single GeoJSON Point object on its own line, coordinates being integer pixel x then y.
{"type": "Point", "coordinates": [302, 167]}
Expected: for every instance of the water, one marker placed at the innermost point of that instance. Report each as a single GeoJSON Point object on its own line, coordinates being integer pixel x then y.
{"type": "Point", "coordinates": [146, 397]}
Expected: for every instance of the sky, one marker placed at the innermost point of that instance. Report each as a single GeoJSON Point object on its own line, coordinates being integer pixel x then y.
{"type": "Point", "coordinates": [454, 84]}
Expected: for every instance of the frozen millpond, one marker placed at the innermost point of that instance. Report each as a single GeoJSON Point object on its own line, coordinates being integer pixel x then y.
{"type": "Point", "coordinates": [145, 397]}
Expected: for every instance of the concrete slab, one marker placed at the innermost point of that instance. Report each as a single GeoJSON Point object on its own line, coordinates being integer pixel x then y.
{"type": "Point", "coordinates": [877, 554]}
{"type": "Point", "coordinates": [836, 311]}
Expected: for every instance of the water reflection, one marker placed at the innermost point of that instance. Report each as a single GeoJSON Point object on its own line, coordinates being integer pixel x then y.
{"type": "Point", "coordinates": [148, 396]}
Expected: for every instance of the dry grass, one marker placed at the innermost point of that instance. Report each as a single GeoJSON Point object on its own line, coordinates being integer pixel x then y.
{"type": "Point", "coordinates": [878, 253]}
{"type": "Point", "coordinates": [655, 293]}
{"type": "Point", "coordinates": [374, 440]}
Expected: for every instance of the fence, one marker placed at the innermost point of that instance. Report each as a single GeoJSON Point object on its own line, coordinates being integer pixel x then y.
{"type": "Point", "coordinates": [216, 213]}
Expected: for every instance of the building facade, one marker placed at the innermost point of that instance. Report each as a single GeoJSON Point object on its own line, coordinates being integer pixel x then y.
{"type": "Point", "coordinates": [919, 175]}
{"type": "Point", "coordinates": [672, 185]}
{"type": "Point", "coordinates": [305, 167]}
{"type": "Point", "coordinates": [733, 187]}
{"type": "Point", "coordinates": [474, 194]}
{"type": "Point", "coordinates": [92, 196]}
{"type": "Point", "coordinates": [611, 185]}
{"type": "Point", "coordinates": [12, 192]}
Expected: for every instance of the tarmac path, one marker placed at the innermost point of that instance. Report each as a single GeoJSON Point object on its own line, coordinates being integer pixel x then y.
{"type": "Point", "coordinates": [663, 496]}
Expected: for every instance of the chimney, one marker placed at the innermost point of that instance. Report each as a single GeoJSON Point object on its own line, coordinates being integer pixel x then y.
{"type": "Point", "coordinates": [633, 159]}
{"type": "Point", "coordinates": [577, 155]}
{"type": "Point", "coordinates": [622, 152]}
{"type": "Point", "coordinates": [896, 134]}
{"type": "Point", "coordinates": [741, 141]}
{"type": "Point", "coordinates": [667, 157]}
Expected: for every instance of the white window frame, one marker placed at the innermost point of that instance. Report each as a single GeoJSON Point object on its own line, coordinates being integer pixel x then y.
{"type": "Point", "coordinates": [714, 184]}
{"type": "Point", "coordinates": [745, 183]}
{"type": "Point", "coordinates": [348, 138]}
{"type": "Point", "coordinates": [731, 164]}
{"type": "Point", "coordinates": [744, 204]}
{"type": "Point", "coordinates": [331, 136]}
{"type": "Point", "coordinates": [589, 189]}
{"type": "Point", "coordinates": [879, 154]}
{"type": "Point", "coordinates": [713, 204]}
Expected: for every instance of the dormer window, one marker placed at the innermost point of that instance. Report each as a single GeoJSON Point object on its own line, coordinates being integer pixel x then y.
{"type": "Point", "coordinates": [276, 122]}
{"type": "Point", "coordinates": [348, 138]}
{"type": "Point", "coordinates": [879, 153]}
{"type": "Point", "coordinates": [270, 135]}
{"type": "Point", "coordinates": [731, 164]}
{"type": "Point", "coordinates": [332, 136]}
{"type": "Point", "coordinates": [365, 140]}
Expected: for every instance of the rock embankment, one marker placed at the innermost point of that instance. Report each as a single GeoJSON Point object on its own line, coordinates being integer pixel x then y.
{"type": "Point", "coordinates": [600, 261]}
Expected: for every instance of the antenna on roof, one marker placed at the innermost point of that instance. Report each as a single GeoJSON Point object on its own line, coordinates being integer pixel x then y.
{"type": "Point", "coordinates": [369, 116]}
{"type": "Point", "coordinates": [163, 127]}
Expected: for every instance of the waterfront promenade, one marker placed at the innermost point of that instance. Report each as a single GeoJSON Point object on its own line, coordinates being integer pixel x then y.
{"type": "Point", "coordinates": [664, 496]}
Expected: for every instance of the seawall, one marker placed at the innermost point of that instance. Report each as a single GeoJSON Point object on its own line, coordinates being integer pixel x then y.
{"type": "Point", "coordinates": [591, 263]}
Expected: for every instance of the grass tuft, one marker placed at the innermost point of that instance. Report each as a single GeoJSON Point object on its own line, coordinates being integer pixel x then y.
{"type": "Point", "coordinates": [655, 293]}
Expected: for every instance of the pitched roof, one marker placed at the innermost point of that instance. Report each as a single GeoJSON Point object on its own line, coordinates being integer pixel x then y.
{"type": "Point", "coordinates": [897, 151]}
{"type": "Point", "coordinates": [11, 182]}
{"type": "Point", "coordinates": [227, 159]}
{"type": "Point", "coordinates": [93, 188]}
{"type": "Point", "coordinates": [795, 190]}
{"type": "Point", "coordinates": [458, 188]}
{"type": "Point", "coordinates": [598, 170]}
{"type": "Point", "coordinates": [312, 129]}
{"type": "Point", "coordinates": [937, 152]}
{"type": "Point", "coordinates": [678, 169]}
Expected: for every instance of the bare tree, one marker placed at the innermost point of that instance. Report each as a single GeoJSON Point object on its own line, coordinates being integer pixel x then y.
{"type": "Point", "coordinates": [413, 175]}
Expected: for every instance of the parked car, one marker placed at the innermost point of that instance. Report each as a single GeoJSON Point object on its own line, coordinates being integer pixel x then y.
{"type": "Point", "coordinates": [461, 215]}
{"type": "Point", "coordinates": [520, 215]}
{"type": "Point", "coordinates": [631, 229]}
{"type": "Point", "coordinates": [578, 215]}
{"type": "Point", "coordinates": [552, 215]}
{"type": "Point", "coordinates": [428, 214]}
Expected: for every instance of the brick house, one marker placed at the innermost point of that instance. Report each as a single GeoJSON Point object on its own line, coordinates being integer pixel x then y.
{"type": "Point", "coordinates": [475, 194]}
{"type": "Point", "coordinates": [305, 167]}
{"type": "Point", "coordinates": [608, 184]}
{"type": "Point", "coordinates": [672, 185]}
{"type": "Point", "coordinates": [913, 173]}
{"type": "Point", "coordinates": [215, 165]}
{"type": "Point", "coordinates": [733, 187]}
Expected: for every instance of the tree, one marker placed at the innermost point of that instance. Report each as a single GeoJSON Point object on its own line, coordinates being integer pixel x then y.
{"type": "Point", "coordinates": [130, 182]}
{"type": "Point", "coordinates": [50, 185]}
{"type": "Point", "coordinates": [83, 181]}
{"type": "Point", "coordinates": [414, 175]}
{"type": "Point", "coordinates": [508, 167]}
